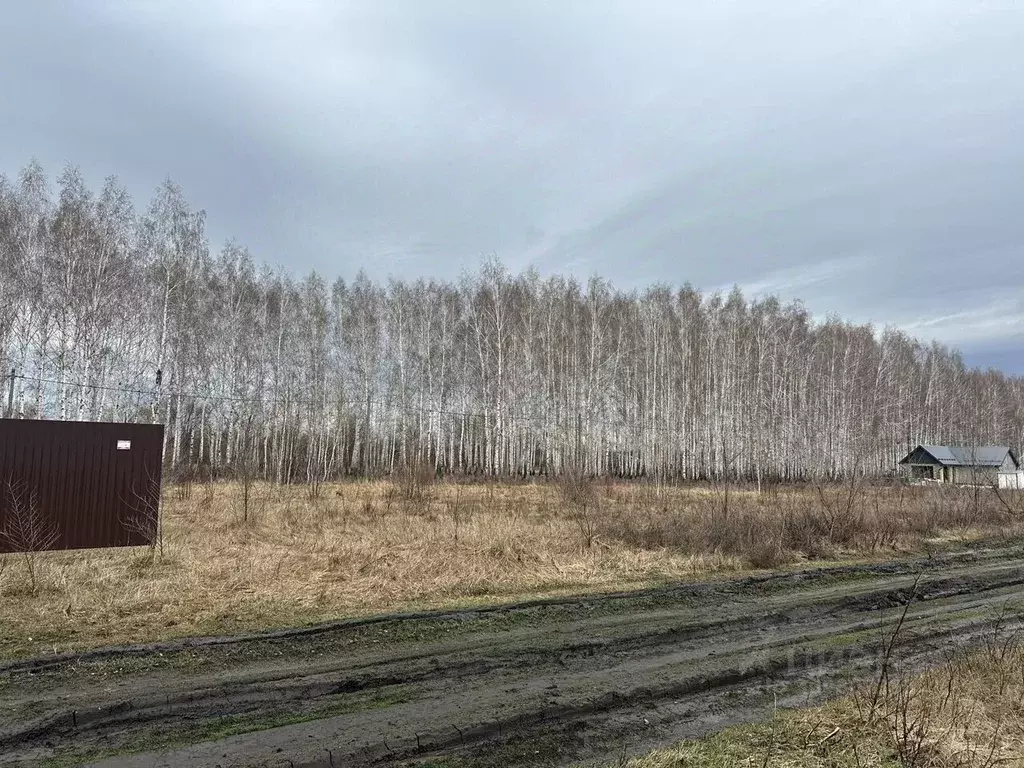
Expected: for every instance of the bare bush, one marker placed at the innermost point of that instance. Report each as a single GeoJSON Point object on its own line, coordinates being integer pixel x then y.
{"type": "Point", "coordinates": [579, 494]}
{"type": "Point", "coordinates": [962, 714]}
{"type": "Point", "coordinates": [841, 508]}
{"type": "Point", "coordinates": [1012, 501]}
{"type": "Point", "coordinates": [953, 716]}
{"type": "Point", "coordinates": [27, 530]}
{"type": "Point", "coordinates": [457, 512]}
{"type": "Point", "coordinates": [206, 478]}
{"type": "Point", "coordinates": [142, 516]}
{"type": "Point", "coordinates": [648, 525]}
{"type": "Point", "coordinates": [767, 530]}
{"type": "Point", "coordinates": [412, 481]}
{"type": "Point", "coordinates": [766, 553]}
{"type": "Point", "coordinates": [181, 479]}
{"type": "Point", "coordinates": [314, 486]}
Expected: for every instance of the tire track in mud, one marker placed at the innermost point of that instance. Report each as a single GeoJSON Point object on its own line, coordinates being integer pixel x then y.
{"type": "Point", "coordinates": [579, 677]}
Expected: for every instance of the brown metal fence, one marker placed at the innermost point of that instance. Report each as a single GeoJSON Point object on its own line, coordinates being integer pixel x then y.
{"type": "Point", "coordinates": [78, 485]}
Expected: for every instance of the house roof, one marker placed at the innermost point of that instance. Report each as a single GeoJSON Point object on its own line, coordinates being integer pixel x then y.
{"type": "Point", "coordinates": [960, 456]}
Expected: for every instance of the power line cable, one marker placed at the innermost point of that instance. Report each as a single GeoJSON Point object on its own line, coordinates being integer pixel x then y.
{"type": "Point", "coordinates": [356, 405]}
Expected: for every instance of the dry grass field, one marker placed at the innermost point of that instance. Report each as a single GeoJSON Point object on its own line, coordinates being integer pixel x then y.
{"type": "Point", "coordinates": [235, 557]}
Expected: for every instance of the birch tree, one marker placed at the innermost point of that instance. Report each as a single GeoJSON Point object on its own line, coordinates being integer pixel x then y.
{"type": "Point", "coordinates": [505, 374]}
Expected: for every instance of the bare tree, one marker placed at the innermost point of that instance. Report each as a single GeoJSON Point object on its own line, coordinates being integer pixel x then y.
{"type": "Point", "coordinates": [250, 504]}
{"type": "Point", "coordinates": [497, 373]}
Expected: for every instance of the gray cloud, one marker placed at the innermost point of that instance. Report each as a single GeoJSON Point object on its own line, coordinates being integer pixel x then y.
{"type": "Point", "coordinates": [862, 156]}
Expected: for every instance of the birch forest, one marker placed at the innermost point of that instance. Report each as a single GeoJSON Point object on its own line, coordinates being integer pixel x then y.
{"type": "Point", "coordinates": [115, 313]}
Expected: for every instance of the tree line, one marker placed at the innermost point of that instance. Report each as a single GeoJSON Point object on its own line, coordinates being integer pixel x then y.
{"type": "Point", "coordinates": [109, 313]}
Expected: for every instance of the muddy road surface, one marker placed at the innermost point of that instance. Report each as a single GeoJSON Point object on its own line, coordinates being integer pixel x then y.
{"type": "Point", "coordinates": [549, 683]}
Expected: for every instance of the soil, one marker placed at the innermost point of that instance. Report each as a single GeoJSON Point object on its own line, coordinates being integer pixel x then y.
{"type": "Point", "coordinates": [587, 680]}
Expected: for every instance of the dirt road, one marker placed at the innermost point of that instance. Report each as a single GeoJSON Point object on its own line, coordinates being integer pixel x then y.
{"type": "Point", "coordinates": [546, 683]}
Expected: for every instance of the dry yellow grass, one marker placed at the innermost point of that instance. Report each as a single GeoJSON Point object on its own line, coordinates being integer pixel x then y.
{"type": "Point", "coordinates": [364, 547]}
{"type": "Point", "coordinates": [968, 713]}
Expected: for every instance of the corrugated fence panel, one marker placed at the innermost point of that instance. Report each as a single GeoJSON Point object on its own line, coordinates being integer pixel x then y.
{"type": "Point", "coordinates": [78, 485]}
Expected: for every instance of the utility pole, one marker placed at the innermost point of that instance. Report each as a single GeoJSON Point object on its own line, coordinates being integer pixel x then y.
{"type": "Point", "coordinates": [10, 397]}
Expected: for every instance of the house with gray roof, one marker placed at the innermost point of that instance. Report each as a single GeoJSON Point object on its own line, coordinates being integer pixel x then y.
{"type": "Point", "coordinates": [961, 465]}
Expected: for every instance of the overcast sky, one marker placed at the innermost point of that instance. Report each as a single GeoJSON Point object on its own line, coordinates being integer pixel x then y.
{"type": "Point", "coordinates": [867, 157]}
